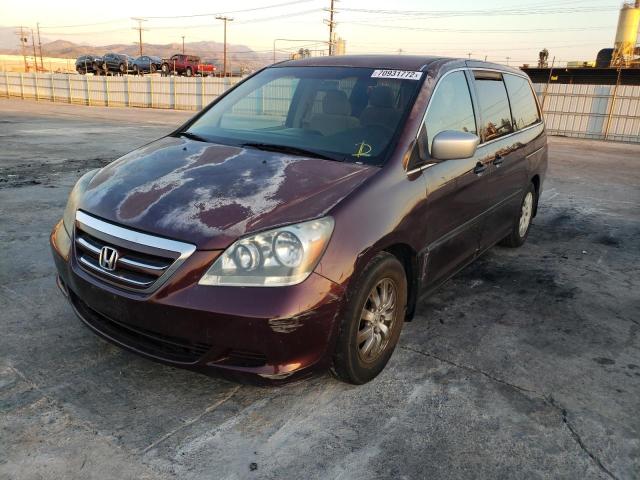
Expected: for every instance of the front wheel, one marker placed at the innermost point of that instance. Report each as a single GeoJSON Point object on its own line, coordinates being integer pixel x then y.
{"type": "Point", "coordinates": [164, 70]}
{"type": "Point", "coordinates": [522, 223]}
{"type": "Point", "coordinates": [372, 321]}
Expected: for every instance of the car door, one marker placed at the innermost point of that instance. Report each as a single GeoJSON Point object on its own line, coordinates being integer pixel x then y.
{"type": "Point", "coordinates": [457, 196]}
{"type": "Point", "coordinates": [502, 146]}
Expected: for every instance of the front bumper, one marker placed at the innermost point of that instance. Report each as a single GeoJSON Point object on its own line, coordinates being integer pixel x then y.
{"type": "Point", "coordinates": [274, 333]}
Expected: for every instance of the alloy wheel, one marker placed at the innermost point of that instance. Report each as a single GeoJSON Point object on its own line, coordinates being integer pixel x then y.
{"type": "Point", "coordinates": [525, 214]}
{"type": "Point", "coordinates": [376, 320]}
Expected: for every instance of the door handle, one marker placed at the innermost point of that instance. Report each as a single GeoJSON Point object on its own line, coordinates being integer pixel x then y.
{"type": "Point", "coordinates": [498, 160]}
{"type": "Point", "coordinates": [479, 168]}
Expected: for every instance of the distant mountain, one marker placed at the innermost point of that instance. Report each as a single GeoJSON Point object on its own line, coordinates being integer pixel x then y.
{"type": "Point", "coordinates": [237, 55]}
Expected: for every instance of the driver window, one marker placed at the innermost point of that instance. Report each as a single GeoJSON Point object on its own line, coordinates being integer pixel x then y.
{"type": "Point", "coordinates": [450, 107]}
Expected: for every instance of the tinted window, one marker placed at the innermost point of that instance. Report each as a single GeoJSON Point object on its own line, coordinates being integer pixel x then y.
{"type": "Point", "coordinates": [523, 105]}
{"type": "Point", "coordinates": [451, 107]}
{"type": "Point", "coordinates": [494, 107]}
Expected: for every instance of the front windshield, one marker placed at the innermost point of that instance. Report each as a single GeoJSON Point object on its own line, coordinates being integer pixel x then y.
{"type": "Point", "coordinates": [342, 113]}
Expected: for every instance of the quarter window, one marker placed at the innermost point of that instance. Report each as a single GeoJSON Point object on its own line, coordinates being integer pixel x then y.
{"type": "Point", "coordinates": [494, 106]}
{"type": "Point", "coordinates": [451, 107]}
{"type": "Point", "coordinates": [523, 104]}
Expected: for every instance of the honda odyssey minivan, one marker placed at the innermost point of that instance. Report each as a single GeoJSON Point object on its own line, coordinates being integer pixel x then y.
{"type": "Point", "coordinates": [291, 226]}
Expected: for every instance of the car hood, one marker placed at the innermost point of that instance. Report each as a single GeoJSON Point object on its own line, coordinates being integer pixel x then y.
{"type": "Point", "coordinates": [209, 194]}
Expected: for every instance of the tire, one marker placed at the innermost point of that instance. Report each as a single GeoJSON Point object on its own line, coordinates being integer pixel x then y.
{"type": "Point", "coordinates": [136, 70]}
{"type": "Point", "coordinates": [122, 69]}
{"type": "Point", "coordinates": [188, 72]}
{"type": "Point", "coordinates": [164, 70]}
{"type": "Point", "coordinates": [352, 362]}
{"type": "Point", "coordinates": [522, 222]}
{"type": "Point", "coordinates": [152, 69]}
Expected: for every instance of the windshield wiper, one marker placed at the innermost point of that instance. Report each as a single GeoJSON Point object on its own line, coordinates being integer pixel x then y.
{"type": "Point", "coordinates": [270, 147]}
{"type": "Point", "coordinates": [193, 136]}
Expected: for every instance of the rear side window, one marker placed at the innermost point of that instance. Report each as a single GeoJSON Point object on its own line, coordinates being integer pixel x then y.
{"type": "Point", "coordinates": [494, 106]}
{"type": "Point", "coordinates": [523, 104]}
{"type": "Point", "coordinates": [451, 107]}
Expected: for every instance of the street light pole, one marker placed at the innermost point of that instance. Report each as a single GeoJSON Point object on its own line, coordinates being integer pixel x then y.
{"type": "Point", "coordinates": [224, 61]}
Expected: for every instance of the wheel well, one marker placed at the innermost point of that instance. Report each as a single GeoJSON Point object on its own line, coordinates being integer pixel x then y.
{"type": "Point", "coordinates": [406, 255]}
{"type": "Point", "coordinates": [536, 184]}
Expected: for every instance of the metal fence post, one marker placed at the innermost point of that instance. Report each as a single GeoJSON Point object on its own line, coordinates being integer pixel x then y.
{"type": "Point", "coordinates": [128, 93]}
{"type": "Point", "coordinates": [150, 91]}
{"type": "Point", "coordinates": [37, 92]}
{"type": "Point", "coordinates": [175, 94]}
{"type": "Point", "coordinates": [88, 90]}
{"type": "Point", "coordinates": [202, 92]}
{"type": "Point", "coordinates": [53, 88]}
{"type": "Point", "coordinates": [613, 104]}
{"type": "Point", "coordinates": [546, 88]}
{"type": "Point", "coordinates": [70, 91]}
{"type": "Point", "coordinates": [22, 86]}
{"type": "Point", "coordinates": [6, 80]}
{"type": "Point", "coordinates": [106, 88]}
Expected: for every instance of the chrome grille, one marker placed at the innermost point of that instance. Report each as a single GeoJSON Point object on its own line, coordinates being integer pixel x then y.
{"type": "Point", "coordinates": [143, 262]}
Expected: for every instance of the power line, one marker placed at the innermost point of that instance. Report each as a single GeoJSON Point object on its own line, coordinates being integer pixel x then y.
{"type": "Point", "coordinates": [485, 12]}
{"type": "Point", "coordinates": [466, 30]}
{"type": "Point", "coordinates": [265, 7]}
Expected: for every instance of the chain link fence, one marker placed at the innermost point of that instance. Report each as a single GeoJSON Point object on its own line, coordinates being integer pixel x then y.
{"type": "Point", "coordinates": [602, 112]}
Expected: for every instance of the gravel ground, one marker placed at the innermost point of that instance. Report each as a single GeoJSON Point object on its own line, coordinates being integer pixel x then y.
{"type": "Point", "coordinates": [524, 365]}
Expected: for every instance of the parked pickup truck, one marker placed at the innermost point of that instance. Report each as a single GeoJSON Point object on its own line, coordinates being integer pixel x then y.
{"type": "Point", "coordinates": [187, 65]}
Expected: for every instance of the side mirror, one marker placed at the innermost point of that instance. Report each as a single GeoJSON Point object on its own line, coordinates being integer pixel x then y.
{"type": "Point", "coordinates": [452, 144]}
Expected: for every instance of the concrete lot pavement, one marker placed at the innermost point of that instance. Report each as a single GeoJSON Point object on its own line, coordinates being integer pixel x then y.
{"type": "Point", "coordinates": [525, 365]}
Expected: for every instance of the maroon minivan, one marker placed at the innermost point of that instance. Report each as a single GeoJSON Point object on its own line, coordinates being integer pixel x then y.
{"type": "Point", "coordinates": [292, 225]}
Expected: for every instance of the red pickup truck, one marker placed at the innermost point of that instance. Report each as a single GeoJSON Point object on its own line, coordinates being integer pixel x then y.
{"type": "Point", "coordinates": [187, 65]}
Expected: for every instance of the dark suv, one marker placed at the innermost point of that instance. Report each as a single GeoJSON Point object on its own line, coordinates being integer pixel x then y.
{"type": "Point", "coordinates": [291, 225]}
{"type": "Point", "coordinates": [87, 64]}
{"type": "Point", "coordinates": [117, 63]}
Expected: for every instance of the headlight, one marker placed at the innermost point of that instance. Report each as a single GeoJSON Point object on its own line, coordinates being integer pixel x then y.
{"type": "Point", "coordinates": [278, 257]}
{"type": "Point", "coordinates": [69, 217]}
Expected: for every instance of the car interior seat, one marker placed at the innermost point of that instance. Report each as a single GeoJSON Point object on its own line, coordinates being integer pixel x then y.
{"type": "Point", "coordinates": [336, 114]}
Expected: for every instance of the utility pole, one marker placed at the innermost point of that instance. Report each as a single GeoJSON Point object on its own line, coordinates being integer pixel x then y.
{"type": "Point", "coordinates": [183, 44]}
{"type": "Point", "coordinates": [224, 61]}
{"type": "Point", "coordinates": [40, 46]}
{"type": "Point", "coordinates": [332, 26]}
{"type": "Point", "coordinates": [23, 43]}
{"type": "Point", "coordinates": [469, 55]}
{"type": "Point", "coordinates": [140, 29]}
{"type": "Point", "coordinates": [35, 57]}
{"type": "Point", "coordinates": [508, 58]}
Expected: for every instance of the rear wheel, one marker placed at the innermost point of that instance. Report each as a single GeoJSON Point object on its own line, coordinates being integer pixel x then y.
{"type": "Point", "coordinates": [188, 72]}
{"type": "Point", "coordinates": [152, 69]}
{"type": "Point", "coordinates": [122, 69]}
{"type": "Point", "coordinates": [165, 70]}
{"type": "Point", "coordinates": [372, 321]}
{"type": "Point", "coordinates": [522, 223]}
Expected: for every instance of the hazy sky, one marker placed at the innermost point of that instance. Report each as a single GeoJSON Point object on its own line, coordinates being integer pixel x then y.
{"type": "Point", "coordinates": [571, 30]}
